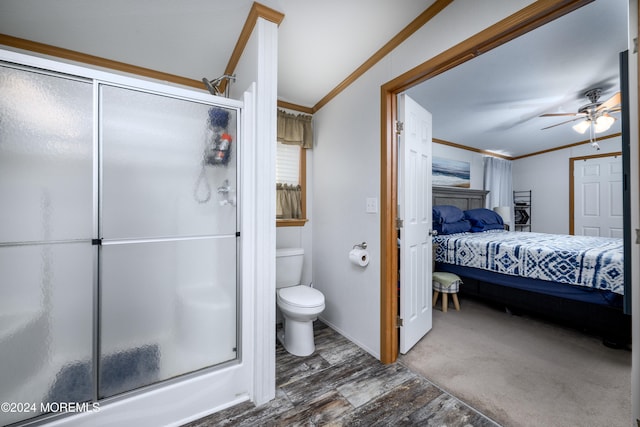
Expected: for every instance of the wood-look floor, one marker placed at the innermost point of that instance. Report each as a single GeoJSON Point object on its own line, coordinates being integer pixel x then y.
{"type": "Point", "coordinates": [342, 385]}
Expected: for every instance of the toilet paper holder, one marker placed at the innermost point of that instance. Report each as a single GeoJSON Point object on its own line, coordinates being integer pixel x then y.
{"type": "Point", "coordinates": [362, 245]}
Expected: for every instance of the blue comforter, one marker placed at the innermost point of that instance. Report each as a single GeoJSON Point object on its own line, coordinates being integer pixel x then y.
{"type": "Point", "coordinates": [594, 262]}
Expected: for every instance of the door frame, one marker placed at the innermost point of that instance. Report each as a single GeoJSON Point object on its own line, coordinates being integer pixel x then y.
{"type": "Point", "coordinates": [533, 16]}
{"type": "Point", "coordinates": [572, 195]}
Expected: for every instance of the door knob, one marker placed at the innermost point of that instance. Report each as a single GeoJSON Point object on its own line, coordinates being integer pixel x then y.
{"type": "Point", "coordinates": [433, 232]}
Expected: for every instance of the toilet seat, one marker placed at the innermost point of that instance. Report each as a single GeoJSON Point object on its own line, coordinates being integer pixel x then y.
{"type": "Point", "coordinates": [301, 296]}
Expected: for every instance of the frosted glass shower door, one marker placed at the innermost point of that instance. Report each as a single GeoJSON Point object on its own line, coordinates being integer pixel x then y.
{"type": "Point", "coordinates": [46, 227]}
{"type": "Point", "coordinates": [168, 238]}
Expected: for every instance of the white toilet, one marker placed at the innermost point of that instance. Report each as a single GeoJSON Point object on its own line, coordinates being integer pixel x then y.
{"type": "Point", "coordinates": [299, 304]}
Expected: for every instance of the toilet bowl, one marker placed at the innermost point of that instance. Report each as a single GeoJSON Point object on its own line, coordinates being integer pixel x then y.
{"type": "Point", "coordinates": [300, 305]}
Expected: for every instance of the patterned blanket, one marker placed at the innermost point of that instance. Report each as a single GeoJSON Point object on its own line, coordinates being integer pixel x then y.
{"type": "Point", "coordinates": [594, 262]}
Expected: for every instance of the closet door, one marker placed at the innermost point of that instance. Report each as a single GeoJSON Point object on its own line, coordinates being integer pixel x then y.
{"type": "Point", "coordinates": [46, 227]}
{"type": "Point", "coordinates": [168, 238]}
{"type": "Point", "coordinates": [598, 196]}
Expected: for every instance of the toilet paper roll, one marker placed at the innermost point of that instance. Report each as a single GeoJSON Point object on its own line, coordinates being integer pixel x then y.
{"type": "Point", "coordinates": [359, 257]}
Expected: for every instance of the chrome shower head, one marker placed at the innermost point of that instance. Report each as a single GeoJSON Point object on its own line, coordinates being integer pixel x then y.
{"type": "Point", "coordinates": [213, 89]}
{"type": "Point", "coordinates": [213, 86]}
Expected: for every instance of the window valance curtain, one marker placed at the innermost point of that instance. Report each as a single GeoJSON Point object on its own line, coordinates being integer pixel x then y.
{"type": "Point", "coordinates": [295, 129]}
{"type": "Point", "coordinates": [288, 201]}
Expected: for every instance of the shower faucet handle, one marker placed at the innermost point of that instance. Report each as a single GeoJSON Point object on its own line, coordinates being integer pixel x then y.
{"type": "Point", "coordinates": [226, 197]}
{"type": "Point", "coordinates": [224, 189]}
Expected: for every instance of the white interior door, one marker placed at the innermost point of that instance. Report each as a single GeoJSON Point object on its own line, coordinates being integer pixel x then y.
{"type": "Point", "coordinates": [598, 196]}
{"type": "Point", "coordinates": [414, 198]}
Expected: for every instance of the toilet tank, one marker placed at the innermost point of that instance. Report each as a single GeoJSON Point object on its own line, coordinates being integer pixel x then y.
{"type": "Point", "coordinates": [289, 267]}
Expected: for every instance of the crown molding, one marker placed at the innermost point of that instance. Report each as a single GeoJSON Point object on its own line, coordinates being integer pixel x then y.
{"type": "Point", "coordinates": [404, 34]}
{"type": "Point", "coordinates": [72, 55]}
{"type": "Point", "coordinates": [295, 107]}
{"type": "Point", "coordinates": [257, 11]}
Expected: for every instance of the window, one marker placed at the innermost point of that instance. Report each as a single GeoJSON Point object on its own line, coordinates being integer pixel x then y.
{"type": "Point", "coordinates": [291, 171]}
{"type": "Point", "coordinates": [288, 164]}
{"type": "Point", "coordinates": [294, 138]}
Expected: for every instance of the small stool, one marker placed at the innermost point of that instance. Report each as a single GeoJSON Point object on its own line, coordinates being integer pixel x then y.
{"type": "Point", "coordinates": [446, 283]}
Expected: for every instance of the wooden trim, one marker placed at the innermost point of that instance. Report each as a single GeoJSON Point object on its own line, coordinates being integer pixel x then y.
{"type": "Point", "coordinates": [572, 161]}
{"type": "Point", "coordinates": [296, 107]}
{"type": "Point", "coordinates": [303, 182]}
{"type": "Point", "coordinates": [527, 19]}
{"type": "Point", "coordinates": [291, 222]}
{"type": "Point", "coordinates": [257, 11]}
{"type": "Point", "coordinates": [490, 153]}
{"type": "Point", "coordinates": [562, 147]}
{"type": "Point", "coordinates": [475, 150]}
{"type": "Point", "coordinates": [521, 22]}
{"type": "Point", "coordinates": [404, 34]}
{"type": "Point", "coordinates": [84, 58]}
{"type": "Point", "coordinates": [389, 345]}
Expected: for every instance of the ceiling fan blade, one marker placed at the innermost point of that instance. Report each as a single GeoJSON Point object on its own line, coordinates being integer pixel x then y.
{"type": "Point", "coordinates": [561, 114]}
{"type": "Point", "coordinates": [562, 123]}
{"type": "Point", "coordinates": [611, 103]}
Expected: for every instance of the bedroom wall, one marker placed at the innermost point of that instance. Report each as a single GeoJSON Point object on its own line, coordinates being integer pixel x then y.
{"type": "Point", "coordinates": [346, 164]}
{"type": "Point", "coordinates": [475, 160]}
{"type": "Point", "coordinates": [547, 176]}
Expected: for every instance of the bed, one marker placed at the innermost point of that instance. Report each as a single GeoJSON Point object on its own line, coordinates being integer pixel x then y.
{"type": "Point", "coordinates": [576, 280]}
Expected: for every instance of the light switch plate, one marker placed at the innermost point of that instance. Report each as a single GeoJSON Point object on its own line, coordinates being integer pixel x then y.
{"type": "Point", "coordinates": [372, 205]}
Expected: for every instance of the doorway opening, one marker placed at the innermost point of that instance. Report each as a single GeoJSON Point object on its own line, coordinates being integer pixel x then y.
{"type": "Point", "coordinates": [506, 30]}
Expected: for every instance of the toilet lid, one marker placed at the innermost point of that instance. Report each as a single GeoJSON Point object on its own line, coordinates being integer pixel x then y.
{"type": "Point", "coordinates": [301, 296]}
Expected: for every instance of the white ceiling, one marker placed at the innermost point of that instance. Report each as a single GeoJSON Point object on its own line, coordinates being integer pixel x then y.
{"type": "Point", "coordinates": [494, 101]}
{"type": "Point", "coordinates": [320, 42]}
{"type": "Point", "coordinates": [323, 42]}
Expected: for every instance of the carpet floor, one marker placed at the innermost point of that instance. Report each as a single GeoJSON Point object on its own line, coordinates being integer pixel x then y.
{"type": "Point", "coordinates": [523, 371]}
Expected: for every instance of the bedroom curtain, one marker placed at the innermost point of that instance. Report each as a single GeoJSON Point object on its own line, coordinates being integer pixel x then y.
{"type": "Point", "coordinates": [288, 201]}
{"type": "Point", "coordinates": [295, 129]}
{"type": "Point", "coordinates": [499, 181]}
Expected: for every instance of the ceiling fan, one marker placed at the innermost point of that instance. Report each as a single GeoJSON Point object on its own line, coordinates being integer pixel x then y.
{"type": "Point", "coordinates": [597, 115]}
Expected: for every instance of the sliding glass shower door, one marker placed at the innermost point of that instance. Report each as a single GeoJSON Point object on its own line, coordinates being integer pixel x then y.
{"type": "Point", "coordinates": [168, 236]}
{"type": "Point", "coordinates": [46, 225]}
{"type": "Point", "coordinates": [118, 239]}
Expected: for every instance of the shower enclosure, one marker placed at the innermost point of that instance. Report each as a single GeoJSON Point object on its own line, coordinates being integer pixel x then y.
{"type": "Point", "coordinates": [118, 239]}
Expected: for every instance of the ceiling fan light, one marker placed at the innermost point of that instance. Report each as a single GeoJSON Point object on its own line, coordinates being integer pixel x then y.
{"type": "Point", "coordinates": [582, 126]}
{"type": "Point", "coordinates": [603, 123]}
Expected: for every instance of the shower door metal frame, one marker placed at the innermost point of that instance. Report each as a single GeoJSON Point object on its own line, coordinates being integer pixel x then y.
{"type": "Point", "coordinates": [96, 78]}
